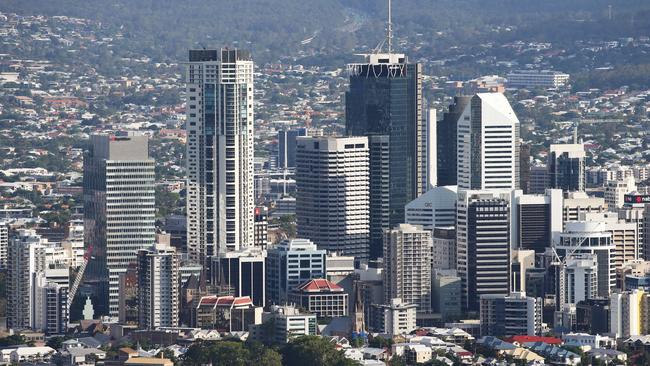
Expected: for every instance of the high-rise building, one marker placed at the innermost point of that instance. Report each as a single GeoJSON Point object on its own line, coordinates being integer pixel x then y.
{"type": "Point", "coordinates": [446, 294]}
{"type": "Point", "coordinates": [119, 211]}
{"type": "Point", "coordinates": [577, 204]}
{"type": "Point", "coordinates": [579, 279]}
{"type": "Point", "coordinates": [51, 306]}
{"type": "Point", "coordinates": [287, 147]}
{"type": "Point", "coordinates": [385, 103]}
{"type": "Point", "coordinates": [524, 167]}
{"type": "Point", "coordinates": [628, 311]}
{"type": "Point", "coordinates": [4, 244]}
{"type": "Point", "coordinates": [511, 315]}
{"type": "Point", "coordinates": [483, 244]}
{"type": "Point", "coordinates": [407, 266]}
{"type": "Point", "coordinates": [590, 237]}
{"type": "Point", "coordinates": [289, 264]}
{"type": "Point", "coordinates": [488, 144]}
{"type": "Point", "coordinates": [332, 203]}
{"type": "Point", "coordinates": [24, 261]}
{"type": "Point", "coordinates": [436, 208]}
{"type": "Point", "coordinates": [566, 167]}
{"type": "Point", "coordinates": [446, 134]}
{"type": "Point", "coordinates": [431, 156]}
{"type": "Point", "coordinates": [443, 249]}
{"type": "Point", "coordinates": [538, 180]}
{"type": "Point", "coordinates": [158, 287]}
{"type": "Point", "coordinates": [261, 227]}
{"type": "Point", "coordinates": [220, 187]}
{"type": "Point", "coordinates": [535, 219]}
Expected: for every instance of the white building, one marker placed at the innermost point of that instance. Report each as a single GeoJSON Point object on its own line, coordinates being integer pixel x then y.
{"type": "Point", "coordinates": [626, 313]}
{"type": "Point", "coordinates": [615, 191]}
{"type": "Point", "coordinates": [436, 208]}
{"type": "Point", "coordinates": [537, 79]}
{"type": "Point", "coordinates": [576, 204]}
{"type": "Point", "coordinates": [158, 287]}
{"type": "Point", "coordinates": [488, 144]}
{"type": "Point", "coordinates": [399, 317]}
{"type": "Point", "coordinates": [220, 186]}
{"type": "Point", "coordinates": [483, 244]}
{"type": "Point", "coordinates": [579, 278]}
{"type": "Point", "coordinates": [119, 211]}
{"type": "Point", "coordinates": [288, 322]}
{"type": "Point", "coordinates": [333, 197]}
{"type": "Point", "coordinates": [407, 266]}
{"type": "Point", "coordinates": [589, 340]}
{"type": "Point", "coordinates": [443, 249]}
{"type": "Point", "coordinates": [589, 237]}
{"type": "Point", "coordinates": [24, 261]}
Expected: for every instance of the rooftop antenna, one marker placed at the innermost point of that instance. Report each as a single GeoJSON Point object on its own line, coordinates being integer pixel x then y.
{"type": "Point", "coordinates": [389, 29]}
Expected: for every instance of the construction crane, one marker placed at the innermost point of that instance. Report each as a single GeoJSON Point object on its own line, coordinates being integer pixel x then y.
{"type": "Point", "coordinates": [80, 274]}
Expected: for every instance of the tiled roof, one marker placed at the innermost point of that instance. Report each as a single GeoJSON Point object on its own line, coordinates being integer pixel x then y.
{"type": "Point", "coordinates": [319, 285]}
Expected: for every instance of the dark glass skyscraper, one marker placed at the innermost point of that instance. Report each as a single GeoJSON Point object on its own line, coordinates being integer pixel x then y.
{"type": "Point", "coordinates": [384, 102]}
{"type": "Point", "coordinates": [446, 134]}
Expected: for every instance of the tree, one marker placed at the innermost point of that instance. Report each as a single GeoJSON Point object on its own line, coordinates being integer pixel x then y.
{"type": "Point", "coordinates": [315, 351]}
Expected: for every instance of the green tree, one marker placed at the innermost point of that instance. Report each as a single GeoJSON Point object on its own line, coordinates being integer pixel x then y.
{"type": "Point", "coordinates": [315, 351]}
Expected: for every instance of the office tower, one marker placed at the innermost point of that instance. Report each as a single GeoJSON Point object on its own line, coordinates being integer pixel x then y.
{"type": "Point", "coordinates": [4, 244]}
{"type": "Point", "coordinates": [287, 147]}
{"type": "Point", "coordinates": [74, 240]}
{"type": "Point", "coordinates": [158, 287]}
{"type": "Point", "coordinates": [566, 167]}
{"type": "Point", "coordinates": [443, 250]}
{"type": "Point", "coordinates": [289, 264]}
{"type": "Point", "coordinates": [24, 261]}
{"type": "Point", "coordinates": [407, 266]}
{"type": "Point", "coordinates": [538, 180]}
{"type": "Point", "coordinates": [615, 192]}
{"type": "Point", "coordinates": [261, 227]}
{"type": "Point", "coordinates": [635, 213]}
{"type": "Point", "coordinates": [385, 103]}
{"type": "Point", "coordinates": [510, 315]}
{"type": "Point", "coordinates": [176, 227]}
{"type": "Point", "coordinates": [579, 279]}
{"type": "Point", "coordinates": [447, 139]}
{"type": "Point", "coordinates": [241, 274]}
{"type": "Point", "coordinates": [436, 208]}
{"type": "Point", "coordinates": [380, 189]}
{"type": "Point", "coordinates": [488, 144]}
{"type": "Point", "coordinates": [483, 244]}
{"type": "Point", "coordinates": [535, 219]}
{"type": "Point", "coordinates": [322, 298]}
{"type": "Point", "coordinates": [431, 149]}
{"type": "Point", "coordinates": [220, 189]}
{"type": "Point", "coordinates": [624, 236]}
{"type": "Point", "coordinates": [446, 294]}
{"type": "Point", "coordinates": [128, 302]}
{"type": "Point", "coordinates": [583, 237]}
{"type": "Point", "coordinates": [577, 204]}
{"type": "Point", "coordinates": [332, 203]}
{"type": "Point", "coordinates": [119, 211]}
{"type": "Point", "coordinates": [524, 167]}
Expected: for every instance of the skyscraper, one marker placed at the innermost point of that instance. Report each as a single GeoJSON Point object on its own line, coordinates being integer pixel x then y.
{"type": "Point", "coordinates": [407, 266]}
{"type": "Point", "coordinates": [566, 167]}
{"type": "Point", "coordinates": [446, 135]}
{"type": "Point", "coordinates": [384, 102]}
{"type": "Point", "coordinates": [332, 203]}
{"type": "Point", "coordinates": [158, 287]}
{"type": "Point", "coordinates": [287, 147]}
{"type": "Point", "coordinates": [488, 144]}
{"type": "Point", "coordinates": [119, 211]}
{"type": "Point", "coordinates": [535, 219]}
{"type": "Point", "coordinates": [220, 190]}
{"type": "Point", "coordinates": [483, 244]}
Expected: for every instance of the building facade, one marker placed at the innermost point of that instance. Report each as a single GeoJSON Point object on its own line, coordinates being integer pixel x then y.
{"type": "Point", "coordinates": [566, 167]}
{"type": "Point", "coordinates": [220, 187]}
{"type": "Point", "coordinates": [511, 315]}
{"type": "Point", "coordinates": [158, 288]}
{"type": "Point", "coordinates": [385, 103]}
{"type": "Point", "coordinates": [488, 144]}
{"type": "Point", "coordinates": [333, 200]}
{"type": "Point", "coordinates": [119, 211]}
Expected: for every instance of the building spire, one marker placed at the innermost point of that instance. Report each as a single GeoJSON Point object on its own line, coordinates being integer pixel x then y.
{"type": "Point", "coordinates": [389, 29]}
